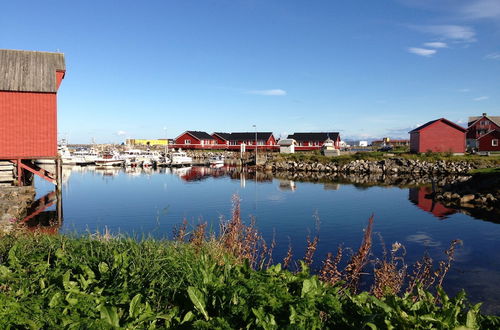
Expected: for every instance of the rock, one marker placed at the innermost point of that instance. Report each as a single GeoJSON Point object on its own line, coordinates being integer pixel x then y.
{"type": "Point", "coordinates": [467, 198]}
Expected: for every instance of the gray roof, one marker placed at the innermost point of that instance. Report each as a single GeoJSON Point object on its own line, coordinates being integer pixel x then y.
{"type": "Point", "coordinates": [314, 136]}
{"type": "Point", "coordinates": [495, 119]}
{"type": "Point", "coordinates": [29, 71]}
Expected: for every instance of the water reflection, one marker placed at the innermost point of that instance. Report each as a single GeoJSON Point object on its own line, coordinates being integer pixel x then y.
{"type": "Point", "coordinates": [420, 196]}
{"type": "Point", "coordinates": [39, 217]}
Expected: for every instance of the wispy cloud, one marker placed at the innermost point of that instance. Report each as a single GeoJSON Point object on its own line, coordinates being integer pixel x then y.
{"type": "Point", "coordinates": [268, 92]}
{"type": "Point", "coordinates": [422, 51]}
{"type": "Point", "coordinates": [481, 98]}
{"type": "Point", "coordinates": [436, 44]}
{"type": "Point", "coordinates": [493, 56]}
{"type": "Point", "coordinates": [455, 33]}
{"type": "Point", "coordinates": [477, 9]}
{"type": "Point", "coordinates": [464, 90]}
{"type": "Point", "coordinates": [121, 133]}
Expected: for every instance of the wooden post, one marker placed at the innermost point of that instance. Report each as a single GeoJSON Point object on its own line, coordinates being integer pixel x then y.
{"type": "Point", "coordinates": [59, 208]}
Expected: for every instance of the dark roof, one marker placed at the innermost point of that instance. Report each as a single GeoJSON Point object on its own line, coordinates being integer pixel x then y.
{"type": "Point", "coordinates": [314, 136]}
{"type": "Point", "coordinates": [488, 133]}
{"type": "Point", "coordinates": [29, 71]}
{"type": "Point", "coordinates": [224, 136]}
{"type": "Point", "coordinates": [201, 135]}
{"type": "Point", "coordinates": [243, 136]}
{"type": "Point", "coordinates": [444, 120]}
{"type": "Point", "coordinates": [495, 119]}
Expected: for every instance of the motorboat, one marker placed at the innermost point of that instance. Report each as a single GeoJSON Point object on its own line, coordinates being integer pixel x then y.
{"type": "Point", "coordinates": [85, 156]}
{"type": "Point", "coordinates": [180, 158]}
{"type": "Point", "coordinates": [110, 159]}
{"type": "Point", "coordinates": [216, 160]}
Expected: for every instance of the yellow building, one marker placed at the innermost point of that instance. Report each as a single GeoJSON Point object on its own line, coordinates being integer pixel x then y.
{"type": "Point", "coordinates": [144, 142]}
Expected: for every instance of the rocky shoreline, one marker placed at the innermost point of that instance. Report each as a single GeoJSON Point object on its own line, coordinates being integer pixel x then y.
{"type": "Point", "coordinates": [386, 166]}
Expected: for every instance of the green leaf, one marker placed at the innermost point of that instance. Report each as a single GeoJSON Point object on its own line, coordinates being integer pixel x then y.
{"type": "Point", "coordinates": [188, 317]}
{"type": "Point", "coordinates": [110, 315]}
{"type": "Point", "coordinates": [308, 286]}
{"type": "Point", "coordinates": [135, 307]}
{"type": "Point", "coordinates": [198, 299]}
{"type": "Point", "coordinates": [55, 300]}
{"type": "Point", "coordinates": [103, 267]}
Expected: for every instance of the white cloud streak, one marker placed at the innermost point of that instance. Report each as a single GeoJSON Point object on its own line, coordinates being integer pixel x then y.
{"type": "Point", "coordinates": [121, 133]}
{"type": "Point", "coordinates": [422, 51]}
{"type": "Point", "coordinates": [493, 56]}
{"type": "Point", "coordinates": [478, 9]}
{"type": "Point", "coordinates": [436, 44]}
{"type": "Point", "coordinates": [268, 92]}
{"type": "Point", "coordinates": [481, 98]}
{"type": "Point", "coordinates": [456, 33]}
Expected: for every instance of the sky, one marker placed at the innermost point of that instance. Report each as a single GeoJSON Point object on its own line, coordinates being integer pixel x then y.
{"type": "Point", "coordinates": [367, 69]}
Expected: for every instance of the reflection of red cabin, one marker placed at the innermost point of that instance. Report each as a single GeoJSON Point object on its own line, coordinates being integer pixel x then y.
{"type": "Point", "coordinates": [489, 141]}
{"type": "Point", "coordinates": [440, 135]}
{"type": "Point", "coordinates": [314, 140]}
{"type": "Point", "coordinates": [28, 103]}
{"type": "Point", "coordinates": [417, 196]}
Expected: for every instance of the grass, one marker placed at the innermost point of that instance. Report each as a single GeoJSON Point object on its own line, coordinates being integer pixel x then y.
{"type": "Point", "coordinates": [377, 155]}
{"type": "Point", "coordinates": [202, 280]}
{"type": "Point", "coordinates": [486, 171]}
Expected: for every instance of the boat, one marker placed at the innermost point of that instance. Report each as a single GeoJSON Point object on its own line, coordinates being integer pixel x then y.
{"type": "Point", "coordinates": [64, 154]}
{"type": "Point", "coordinates": [180, 158]}
{"type": "Point", "coordinates": [110, 159]}
{"type": "Point", "coordinates": [85, 156]}
{"type": "Point", "coordinates": [216, 160]}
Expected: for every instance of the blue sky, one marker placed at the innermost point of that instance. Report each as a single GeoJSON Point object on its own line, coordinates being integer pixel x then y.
{"type": "Point", "coordinates": [364, 68]}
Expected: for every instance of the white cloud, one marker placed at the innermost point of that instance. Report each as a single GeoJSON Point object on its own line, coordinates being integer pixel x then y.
{"type": "Point", "coordinates": [481, 98]}
{"type": "Point", "coordinates": [457, 33]}
{"type": "Point", "coordinates": [121, 133]}
{"type": "Point", "coordinates": [476, 9]}
{"type": "Point", "coordinates": [422, 51]}
{"type": "Point", "coordinates": [268, 92]}
{"type": "Point", "coordinates": [436, 44]}
{"type": "Point", "coordinates": [464, 90]}
{"type": "Point", "coordinates": [493, 56]}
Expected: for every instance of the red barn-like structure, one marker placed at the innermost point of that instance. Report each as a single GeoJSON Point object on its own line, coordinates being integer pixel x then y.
{"type": "Point", "coordinates": [489, 141]}
{"type": "Point", "coordinates": [29, 81]}
{"type": "Point", "coordinates": [440, 135]}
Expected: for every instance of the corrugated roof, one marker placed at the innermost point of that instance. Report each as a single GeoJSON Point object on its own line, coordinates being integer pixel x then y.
{"type": "Point", "coordinates": [314, 136]}
{"type": "Point", "coordinates": [29, 71]}
{"type": "Point", "coordinates": [444, 120]}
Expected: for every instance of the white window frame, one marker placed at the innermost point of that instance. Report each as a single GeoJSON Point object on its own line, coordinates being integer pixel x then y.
{"type": "Point", "coordinates": [187, 141]}
{"type": "Point", "coordinates": [494, 142]}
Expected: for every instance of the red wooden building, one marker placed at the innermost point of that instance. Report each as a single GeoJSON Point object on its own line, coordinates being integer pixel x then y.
{"type": "Point", "coordinates": [440, 135]}
{"type": "Point", "coordinates": [489, 141]}
{"type": "Point", "coordinates": [479, 126]}
{"type": "Point", "coordinates": [314, 140]}
{"type": "Point", "coordinates": [29, 82]}
{"type": "Point", "coordinates": [194, 140]}
{"type": "Point", "coordinates": [248, 138]}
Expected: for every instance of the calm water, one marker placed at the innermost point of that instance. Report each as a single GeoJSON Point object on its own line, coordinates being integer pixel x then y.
{"type": "Point", "coordinates": [153, 202]}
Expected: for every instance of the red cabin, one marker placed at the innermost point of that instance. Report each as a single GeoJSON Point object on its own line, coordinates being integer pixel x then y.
{"type": "Point", "coordinates": [489, 141]}
{"type": "Point", "coordinates": [28, 103]}
{"type": "Point", "coordinates": [194, 140]}
{"type": "Point", "coordinates": [440, 135]}
{"type": "Point", "coordinates": [478, 126]}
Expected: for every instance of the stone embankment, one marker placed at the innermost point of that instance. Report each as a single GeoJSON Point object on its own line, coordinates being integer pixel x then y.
{"type": "Point", "coordinates": [390, 166]}
{"type": "Point", "coordinates": [14, 203]}
{"type": "Point", "coordinates": [480, 191]}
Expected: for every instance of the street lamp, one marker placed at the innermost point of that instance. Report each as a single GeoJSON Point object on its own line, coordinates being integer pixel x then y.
{"type": "Point", "coordinates": [166, 141]}
{"type": "Point", "coordinates": [255, 127]}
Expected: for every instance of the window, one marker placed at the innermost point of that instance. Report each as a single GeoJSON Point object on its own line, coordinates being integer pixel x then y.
{"type": "Point", "coordinates": [187, 141]}
{"type": "Point", "coordinates": [494, 142]}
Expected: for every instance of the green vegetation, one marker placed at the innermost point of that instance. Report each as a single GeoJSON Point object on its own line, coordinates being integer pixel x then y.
{"type": "Point", "coordinates": [62, 282]}
{"type": "Point", "coordinates": [378, 155]}
{"type": "Point", "coordinates": [486, 171]}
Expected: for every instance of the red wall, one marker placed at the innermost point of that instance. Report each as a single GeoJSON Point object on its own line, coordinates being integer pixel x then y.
{"type": "Point", "coordinates": [440, 137]}
{"type": "Point", "coordinates": [186, 136]}
{"type": "Point", "coordinates": [484, 143]}
{"type": "Point", "coordinates": [28, 125]}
